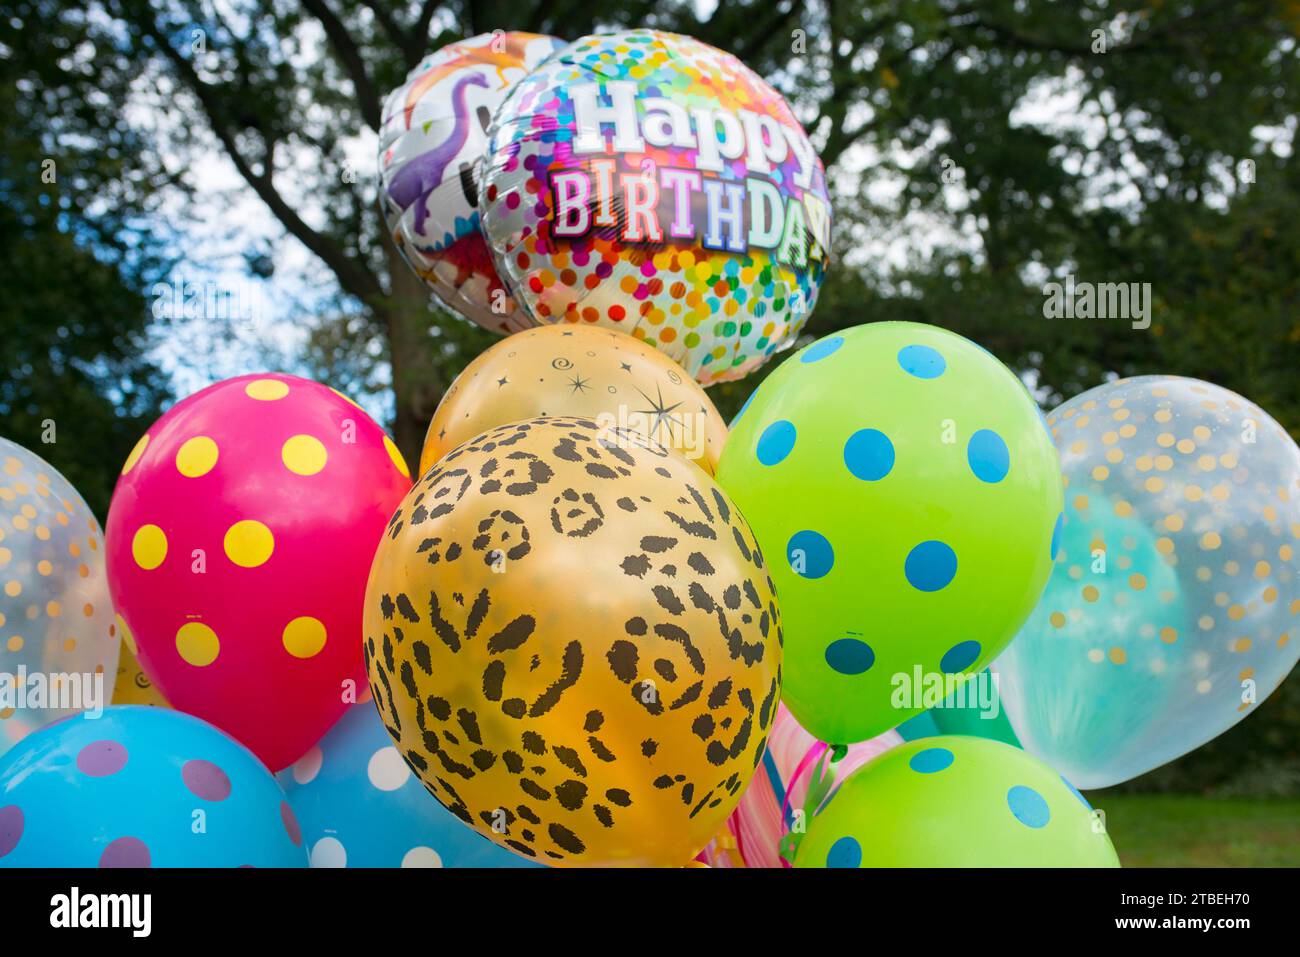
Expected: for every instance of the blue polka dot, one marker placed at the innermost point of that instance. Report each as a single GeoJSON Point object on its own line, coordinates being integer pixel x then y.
{"type": "Point", "coordinates": [1056, 535]}
{"type": "Point", "coordinates": [930, 566]}
{"type": "Point", "coordinates": [869, 454]}
{"type": "Point", "coordinates": [1075, 791]}
{"type": "Point", "coordinates": [1028, 806]}
{"type": "Point", "coordinates": [960, 657]}
{"type": "Point", "coordinates": [846, 852]}
{"type": "Point", "coordinates": [922, 362]}
{"type": "Point", "coordinates": [988, 456]}
{"type": "Point", "coordinates": [821, 349]}
{"type": "Point", "coordinates": [930, 760]}
{"type": "Point", "coordinates": [850, 656]}
{"type": "Point", "coordinates": [776, 442]}
{"type": "Point", "coordinates": [810, 554]}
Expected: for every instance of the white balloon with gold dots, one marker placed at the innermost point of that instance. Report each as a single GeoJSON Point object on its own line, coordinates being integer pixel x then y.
{"type": "Point", "coordinates": [58, 639]}
{"type": "Point", "coordinates": [1173, 609]}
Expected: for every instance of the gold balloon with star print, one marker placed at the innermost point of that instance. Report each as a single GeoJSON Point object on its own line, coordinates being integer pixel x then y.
{"type": "Point", "coordinates": [563, 370]}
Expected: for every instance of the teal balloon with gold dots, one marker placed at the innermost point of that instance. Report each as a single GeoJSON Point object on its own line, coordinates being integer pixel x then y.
{"type": "Point", "coordinates": [905, 487]}
{"type": "Point", "coordinates": [955, 801]}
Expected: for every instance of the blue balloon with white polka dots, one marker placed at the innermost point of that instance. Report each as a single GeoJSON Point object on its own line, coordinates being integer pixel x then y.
{"type": "Point", "coordinates": [905, 480]}
{"type": "Point", "coordinates": [141, 786]}
{"type": "Point", "coordinates": [956, 801]}
{"type": "Point", "coordinates": [360, 805]}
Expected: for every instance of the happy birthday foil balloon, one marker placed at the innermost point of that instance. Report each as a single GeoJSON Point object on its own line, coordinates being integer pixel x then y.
{"type": "Point", "coordinates": [578, 371]}
{"type": "Point", "coordinates": [239, 537]}
{"type": "Point", "coordinates": [904, 483]}
{"type": "Point", "coordinates": [58, 639]}
{"type": "Point", "coordinates": [1172, 607]}
{"type": "Point", "coordinates": [574, 642]}
{"type": "Point", "coordinates": [650, 183]}
{"type": "Point", "coordinates": [433, 134]}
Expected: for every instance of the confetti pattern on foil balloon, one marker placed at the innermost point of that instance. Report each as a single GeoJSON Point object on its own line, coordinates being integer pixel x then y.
{"type": "Point", "coordinates": [1172, 607]}
{"type": "Point", "coordinates": [579, 370]}
{"type": "Point", "coordinates": [432, 137]}
{"type": "Point", "coordinates": [651, 183]}
{"type": "Point", "coordinates": [58, 639]}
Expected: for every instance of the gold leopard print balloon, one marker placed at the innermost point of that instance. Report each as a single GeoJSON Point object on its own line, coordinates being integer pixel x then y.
{"type": "Point", "coordinates": [573, 639]}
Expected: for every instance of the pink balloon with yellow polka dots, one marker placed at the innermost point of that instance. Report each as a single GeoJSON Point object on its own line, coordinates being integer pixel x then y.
{"type": "Point", "coordinates": [239, 540]}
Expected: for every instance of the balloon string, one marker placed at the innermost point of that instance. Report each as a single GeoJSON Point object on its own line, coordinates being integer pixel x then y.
{"type": "Point", "coordinates": [813, 755]}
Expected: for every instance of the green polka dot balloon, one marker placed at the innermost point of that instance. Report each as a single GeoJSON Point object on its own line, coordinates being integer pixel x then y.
{"type": "Point", "coordinates": [908, 493]}
{"type": "Point", "coordinates": [956, 802]}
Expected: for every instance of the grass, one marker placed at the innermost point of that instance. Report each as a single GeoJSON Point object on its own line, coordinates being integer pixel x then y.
{"type": "Point", "coordinates": [1191, 831]}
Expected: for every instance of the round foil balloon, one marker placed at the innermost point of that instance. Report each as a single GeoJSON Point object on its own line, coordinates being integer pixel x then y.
{"type": "Point", "coordinates": [433, 133]}
{"type": "Point", "coordinates": [58, 640]}
{"type": "Point", "coordinates": [651, 183]}
{"type": "Point", "coordinates": [360, 806]}
{"type": "Point", "coordinates": [574, 641]}
{"type": "Point", "coordinates": [780, 789]}
{"type": "Point", "coordinates": [906, 481]}
{"type": "Point", "coordinates": [1171, 611]}
{"type": "Point", "coordinates": [238, 541]}
{"type": "Point", "coordinates": [584, 371]}
{"type": "Point", "coordinates": [141, 787]}
{"type": "Point", "coordinates": [956, 802]}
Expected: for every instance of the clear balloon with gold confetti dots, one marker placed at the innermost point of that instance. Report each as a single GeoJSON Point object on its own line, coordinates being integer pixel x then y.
{"type": "Point", "coordinates": [58, 639]}
{"type": "Point", "coordinates": [1172, 608]}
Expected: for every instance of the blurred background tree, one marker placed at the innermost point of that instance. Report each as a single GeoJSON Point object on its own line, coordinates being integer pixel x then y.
{"type": "Point", "coordinates": [976, 151]}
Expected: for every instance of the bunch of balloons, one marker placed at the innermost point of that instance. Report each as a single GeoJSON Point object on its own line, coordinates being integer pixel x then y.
{"type": "Point", "coordinates": [597, 629]}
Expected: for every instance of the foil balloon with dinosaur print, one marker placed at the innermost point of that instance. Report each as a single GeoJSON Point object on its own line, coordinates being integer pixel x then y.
{"type": "Point", "coordinates": [647, 182]}
{"type": "Point", "coordinates": [432, 136]}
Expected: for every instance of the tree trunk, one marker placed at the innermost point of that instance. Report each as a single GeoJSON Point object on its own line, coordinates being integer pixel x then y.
{"type": "Point", "coordinates": [417, 384]}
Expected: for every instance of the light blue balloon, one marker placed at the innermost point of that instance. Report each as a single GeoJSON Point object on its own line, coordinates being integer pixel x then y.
{"type": "Point", "coordinates": [360, 806]}
{"type": "Point", "coordinates": [1172, 604]}
{"type": "Point", "coordinates": [141, 786]}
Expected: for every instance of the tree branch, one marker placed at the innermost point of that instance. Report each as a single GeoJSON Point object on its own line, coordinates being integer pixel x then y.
{"type": "Point", "coordinates": [353, 275]}
{"type": "Point", "coordinates": [341, 40]}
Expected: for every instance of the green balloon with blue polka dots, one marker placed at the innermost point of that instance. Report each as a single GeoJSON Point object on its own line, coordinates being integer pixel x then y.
{"type": "Point", "coordinates": [906, 491]}
{"type": "Point", "coordinates": [956, 801]}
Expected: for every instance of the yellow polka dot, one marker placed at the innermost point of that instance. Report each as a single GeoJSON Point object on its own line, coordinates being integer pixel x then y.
{"type": "Point", "coordinates": [249, 543]}
{"type": "Point", "coordinates": [136, 453]}
{"type": "Point", "coordinates": [127, 637]}
{"type": "Point", "coordinates": [396, 456]}
{"type": "Point", "coordinates": [196, 457]}
{"type": "Point", "coordinates": [303, 454]}
{"type": "Point", "coordinates": [44, 568]}
{"type": "Point", "coordinates": [1090, 593]}
{"type": "Point", "coordinates": [1137, 582]}
{"type": "Point", "coordinates": [1211, 541]}
{"type": "Point", "coordinates": [304, 637]}
{"type": "Point", "coordinates": [1168, 635]}
{"type": "Point", "coordinates": [266, 390]}
{"type": "Point", "coordinates": [6, 556]}
{"type": "Point", "coordinates": [1174, 523]}
{"type": "Point", "coordinates": [53, 609]}
{"type": "Point", "coordinates": [1100, 473]}
{"type": "Point", "coordinates": [149, 547]}
{"type": "Point", "coordinates": [197, 644]}
{"type": "Point", "coordinates": [13, 588]}
{"type": "Point", "coordinates": [1240, 645]}
{"type": "Point", "coordinates": [1118, 656]}
{"type": "Point", "coordinates": [1057, 619]}
{"type": "Point", "coordinates": [15, 643]}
